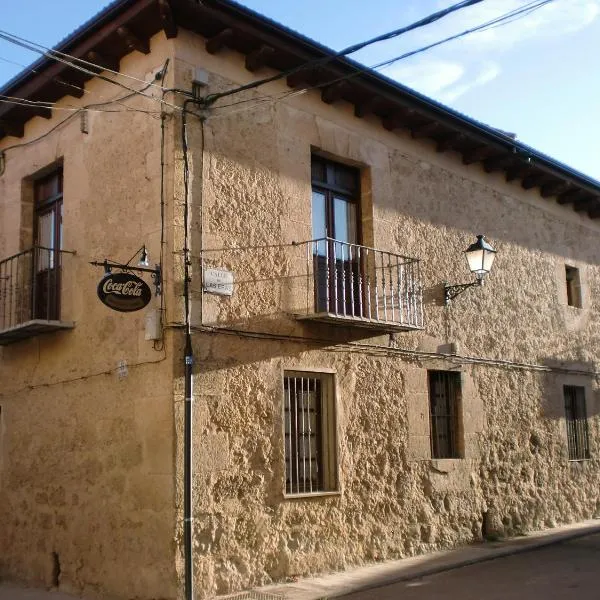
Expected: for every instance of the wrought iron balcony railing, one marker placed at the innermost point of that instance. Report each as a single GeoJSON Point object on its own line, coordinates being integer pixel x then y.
{"type": "Point", "coordinates": [30, 293]}
{"type": "Point", "coordinates": [356, 284]}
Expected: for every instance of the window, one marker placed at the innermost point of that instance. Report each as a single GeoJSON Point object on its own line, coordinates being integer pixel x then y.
{"type": "Point", "coordinates": [573, 286]}
{"type": "Point", "coordinates": [444, 403]}
{"type": "Point", "coordinates": [48, 195]}
{"type": "Point", "coordinates": [335, 210]}
{"type": "Point", "coordinates": [309, 432]}
{"type": "Point", "coordinates": [576, 421]}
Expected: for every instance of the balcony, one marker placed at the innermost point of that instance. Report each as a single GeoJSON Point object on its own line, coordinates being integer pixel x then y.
{"type": "Point", "coordinates": [349, 284]}
{"type": "Point", "coordinates": [30, 294]}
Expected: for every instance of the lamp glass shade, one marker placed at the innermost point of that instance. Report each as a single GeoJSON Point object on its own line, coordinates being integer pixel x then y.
{"type": "Point", "coordinates": [480, 257]}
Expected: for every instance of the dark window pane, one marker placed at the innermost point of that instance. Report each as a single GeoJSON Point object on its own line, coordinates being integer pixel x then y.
{"type": "Point", "coordinates": [444, 396]}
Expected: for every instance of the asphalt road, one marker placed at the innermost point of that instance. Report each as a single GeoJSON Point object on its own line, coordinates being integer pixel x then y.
{"type": "Point", "coordinates": [565, 571]}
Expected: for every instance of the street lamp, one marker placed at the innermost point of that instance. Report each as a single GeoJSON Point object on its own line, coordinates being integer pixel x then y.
{"type": "Point", "coordinates": [480, 258]}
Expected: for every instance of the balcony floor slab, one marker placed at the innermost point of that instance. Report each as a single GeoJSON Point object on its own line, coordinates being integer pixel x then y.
{"type": "Point", "coordinates": [351, 321]}
{"type": "Point", "coordinates": [30, 329]}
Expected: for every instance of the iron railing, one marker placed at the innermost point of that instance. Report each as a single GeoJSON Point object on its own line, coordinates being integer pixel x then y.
{"type": "Point", "coordinates": [350, 281]}
{"type": "Point", "coordinates": [30, 286]}
{"type": "Point", "coordinates": [576, 421]}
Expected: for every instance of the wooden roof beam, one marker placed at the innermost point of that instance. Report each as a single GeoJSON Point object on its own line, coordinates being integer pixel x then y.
{"type": "Point", "coordinates": [533, 180]}
{"type": "Point", "coordinates": [594, 213]}
{"type": "Point", "coordinates": [132, 41]}
{"type": "Point", "coordinates": [425, 129]}
{"type": "Point", "coordinates": [13, 128]}
{"type": "Point", "coordinates": [497, 163]}
{"type": "Point", "coordinates": [102, 61]}
{"type": "Point", "coordinates": [553, 189]}
{"type": "Point", "coordinates": [516, 172]}
{"type": "Point", "coordinates": [584, 203]}
{"type": "Point", "coordinates": [399, 118]}
{"type": "Point", "coordinates": [258, 58]}
{"type": "Point", "coordinates": [218, 42]}
{"type": "Point", "coordinates": [167, 18]}
{"type": "Point", "coordinates": [449, 141]}
{"type": "Point", "coordinates": [334, 92]}
{"type": "Point", "coordinates": [40, 111]}
{"type": "Point", "coordinates": [569, 196]}
{"type": "Point", "coordinates": [368, 106]}
{"type": "Point", "coordinates": [301, 79]}
{"type": "Point", "coordinates": [476, 154]}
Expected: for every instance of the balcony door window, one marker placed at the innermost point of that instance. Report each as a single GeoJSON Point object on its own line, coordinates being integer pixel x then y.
{"type": "Point", "coordinates": [335, 206]}
{"type": "Point", "coordinates": [48, 229]}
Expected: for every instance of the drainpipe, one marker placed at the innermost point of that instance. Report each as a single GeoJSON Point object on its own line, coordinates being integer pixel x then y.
{"type": "Point", "coordinates": [188, 466]}
{"type": "Point", "coordinates": [188, 529]}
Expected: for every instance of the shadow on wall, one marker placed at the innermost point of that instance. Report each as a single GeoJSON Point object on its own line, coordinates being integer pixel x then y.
{"type": "Point", "coordinates": [539, 454]}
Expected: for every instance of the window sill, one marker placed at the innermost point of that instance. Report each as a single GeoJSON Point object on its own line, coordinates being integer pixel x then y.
{"type": "Point", "coordinates": [446, 465]}
{"type": "Point", "coordinates": [311, 495]}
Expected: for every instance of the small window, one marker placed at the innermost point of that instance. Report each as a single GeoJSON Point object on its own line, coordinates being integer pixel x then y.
{"type": "Point", "coordinates": [444, 403]}
{"type": "Point", "coordinates": [576, 421]}
{"type": "Point", "coordinates": [573, 286]}
{"type": "Point", "coordinates": [309, 432]}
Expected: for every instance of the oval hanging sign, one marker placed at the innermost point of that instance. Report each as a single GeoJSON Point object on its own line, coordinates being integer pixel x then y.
{"type": "Point", "coordinates": [124, 292]}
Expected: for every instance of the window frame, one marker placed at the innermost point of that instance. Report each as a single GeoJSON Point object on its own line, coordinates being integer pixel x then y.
{"type": "Point", "coordinates": [48, 200]}
{"type": "Point", "coordinates": [573, 286]}
{"type": "Point", "coordinates": [453, 419]}
{"type": "Point", "coordinates": [576, 423]}
{"type": "Point", "coordinates": [330, 190]}
{"type": "Point", "coordinates": [328, 482]}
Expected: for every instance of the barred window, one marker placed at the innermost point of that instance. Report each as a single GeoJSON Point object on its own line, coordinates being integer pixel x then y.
{"type": "Point", "coordinates": [444, 403]}
{"type": "Point", "coordinates": [576, 421]}
{"type": "Point", "coordinates": [309, 432]}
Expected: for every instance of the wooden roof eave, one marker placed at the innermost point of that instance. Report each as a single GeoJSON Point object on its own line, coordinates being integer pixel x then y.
{"type": "Point", "coordinates": [127, 25]}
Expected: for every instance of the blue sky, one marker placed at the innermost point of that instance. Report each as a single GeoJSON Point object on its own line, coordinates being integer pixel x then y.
{"type": "Point", "coordinates": [536, 77]}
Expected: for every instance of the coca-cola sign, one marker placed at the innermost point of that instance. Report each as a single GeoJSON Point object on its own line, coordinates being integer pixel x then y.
{"type": "Point", "coordinates": [124, 292]}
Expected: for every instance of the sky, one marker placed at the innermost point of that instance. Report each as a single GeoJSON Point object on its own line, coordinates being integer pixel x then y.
{"type": "Point", "coordinates": [537, 77]}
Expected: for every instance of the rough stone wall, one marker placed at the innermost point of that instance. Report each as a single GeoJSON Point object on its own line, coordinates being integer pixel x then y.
{"type": "Point", "coordinates": [86, 456]}
{"type": "Point", "coordinates": [514, 341]}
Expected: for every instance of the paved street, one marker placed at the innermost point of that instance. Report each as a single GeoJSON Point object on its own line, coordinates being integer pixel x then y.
{"type": "Point", "coordinates": [565, 571]}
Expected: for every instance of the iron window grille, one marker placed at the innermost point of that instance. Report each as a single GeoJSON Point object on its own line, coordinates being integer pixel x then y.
{"type": "Point", "coordinates": [444, 404]}
{"type": "Point", "coordinates": [309, 433]}
{"type": "Point", "coordinates": [576, 422]}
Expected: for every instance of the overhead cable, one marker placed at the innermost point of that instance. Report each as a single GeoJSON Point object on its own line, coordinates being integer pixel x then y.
{"type": "Point", "coordinates": [349, 50]}
{"type": "Point", "coordinates": [501, 20]}
{"type": "Point", "coordinates": [71, 63]}
{"type": "Point", "coordinates": [45, 50]}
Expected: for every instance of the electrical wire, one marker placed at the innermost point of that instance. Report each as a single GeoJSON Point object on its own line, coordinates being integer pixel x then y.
{"type": "Point", "coordinates": [56, 56]}
{"type": "Point", "coordinates": [502, 20]}
{"type": "Point", "coordinates": [349, 50]}
{"type": "Point", "coordinates": [66, 120]}
{"type": "Point", "coordinates": [5, 100]}
{"type": "Point", "coordinates": [41, 49]}
{"type": "Point", "coordinates": [80, 378]}
{"type": "Point", "coordinates": [338, 346]}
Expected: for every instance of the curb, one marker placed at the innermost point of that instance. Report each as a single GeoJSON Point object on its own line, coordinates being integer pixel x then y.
{"type": "Point", "coordinates": [494, 553]}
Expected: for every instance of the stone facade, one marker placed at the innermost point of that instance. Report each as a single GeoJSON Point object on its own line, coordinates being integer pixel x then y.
{"type": "Point", "coordinates": [86, 454]}
{"type": "Point", "coordinates": [91, 460]}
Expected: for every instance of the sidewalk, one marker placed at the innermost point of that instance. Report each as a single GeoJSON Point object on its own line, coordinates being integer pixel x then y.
{"type": "Point", "coordinates": [338, 584]}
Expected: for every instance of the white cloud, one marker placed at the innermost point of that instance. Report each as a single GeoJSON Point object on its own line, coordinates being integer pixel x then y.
{"type": "Point", "coordinates": [444, 80]}
{"type": "Point", "coordinates": [429, 76]}
{"type": "Point", "coordinates": [486, 74]}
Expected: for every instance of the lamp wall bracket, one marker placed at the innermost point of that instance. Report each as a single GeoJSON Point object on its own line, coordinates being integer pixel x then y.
{"type": "Point", "coordinates": [452, 291]}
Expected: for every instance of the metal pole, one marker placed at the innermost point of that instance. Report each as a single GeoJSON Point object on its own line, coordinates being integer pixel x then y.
{"type": "Point", "coordinates": [188, 470]}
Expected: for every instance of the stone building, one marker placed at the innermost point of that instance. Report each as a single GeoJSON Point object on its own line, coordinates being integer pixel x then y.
{"type": "Point", "coordinates": [343, 412]}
